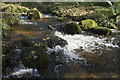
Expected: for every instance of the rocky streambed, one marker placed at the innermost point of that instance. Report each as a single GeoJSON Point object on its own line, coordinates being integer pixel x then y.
{"type": "Point", "coordinates": [41, 49]}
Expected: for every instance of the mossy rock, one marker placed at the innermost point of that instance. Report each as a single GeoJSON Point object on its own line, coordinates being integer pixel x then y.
{"type": "Point", "coordinates": [88, 23]}
{"type": "Point", "coordinates": [35, 57]}
{"type": "Point", "coordinates": [26, 41]}
{"type": "Point", "coordinates": [72, 28]}
{"type": "Point", "coordinates": [34, 14]}
{"type": "Point", "coordinates": [7, 57]}
{"type": "Point", "coordinates": [101, 31]}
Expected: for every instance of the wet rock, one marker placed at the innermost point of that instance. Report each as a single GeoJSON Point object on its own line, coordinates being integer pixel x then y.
{"type": "Point", "coordinates": [7, 58]}
{"type": "Point", "coordinates": [72, 28]}
{"type": "Point", "coordinates": [53, 41]}
{"type": "Point", "coordinates": [101, 31]}
{"type": "Point", "coordinates": [57, 58]}
{"type": "Point", "coordinates": [27, 41]}
{"type": "Point", "coordinates": [35, 56]}
{"type": "Point", "coordinates": [87, 24]}
{"type": "Point", "coordinates": [34, 14]}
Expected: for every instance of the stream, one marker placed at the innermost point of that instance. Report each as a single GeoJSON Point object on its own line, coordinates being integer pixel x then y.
{"type": "Point", "coordinates": [85, 56]}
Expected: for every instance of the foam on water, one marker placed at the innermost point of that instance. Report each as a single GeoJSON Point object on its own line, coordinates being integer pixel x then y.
{"type": "Point", "coordinates": [23, 72]}
{"type": "Point", "coordinates": [78, 41]}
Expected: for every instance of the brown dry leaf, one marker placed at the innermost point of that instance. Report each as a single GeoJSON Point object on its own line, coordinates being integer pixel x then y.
{"type": "Point", "coordinates": [47, 38]}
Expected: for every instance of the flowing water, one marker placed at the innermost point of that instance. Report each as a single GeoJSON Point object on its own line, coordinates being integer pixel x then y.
{"type": "Point", "coordinates": [85, 56]}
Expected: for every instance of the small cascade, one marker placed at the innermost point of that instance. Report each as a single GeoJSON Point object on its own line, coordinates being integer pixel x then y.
{"type": "Point", "coordinates": [83, 43]}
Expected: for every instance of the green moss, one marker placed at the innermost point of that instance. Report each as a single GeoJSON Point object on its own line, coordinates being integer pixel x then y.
{"type": "Point", "coordinates": [10, 13]}
{"type": "Point", "coordinates": [10, 19]}
{"type": "Point", "coordinates": [101, 31]}
{"type": "Point", "coordinates": [87, 24]}
{"type": "Point", "coordinates": [34, 14]}
{"type": "Point", "coordinates": [36, 57]}
{"type": "Point", "coordinates": [5, 31]}
{"type": "Point", "coordinates": [72, 28]}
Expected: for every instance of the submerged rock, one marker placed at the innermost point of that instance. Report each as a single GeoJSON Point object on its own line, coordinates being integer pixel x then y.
{"type": "Point", "coordinates": [35, 56]}
{"type": "Point", "coordinates": [72, 28]}
{"type": "Point", "coordinates": [53, 41]}
{"type": "Point", "coordinates": [87, 24]}
{"type": "Point", "coordinates": [34, 14]}
{"type": "Point", "coordinates": [101, 31]}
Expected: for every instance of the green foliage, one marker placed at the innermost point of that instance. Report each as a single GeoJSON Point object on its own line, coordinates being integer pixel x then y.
{"type": "Point", "coordinates": [14, 8]}
{"type": "Point", "coordinates": [112, 26]}
{"type": "Point", "coordinates": [87, 24]}
{"type": "Point", "coordinates": [5, 31]}
{"type": "Point", "coordinates": [11, 19]}
{"type": "Point", "coordinates": [57, 13]}
{"type": "Point", "coordinates": [72, 28]}
{"type": "Point", "coordinates": [107, 23]}
{"type": "Point", "coordinates": [115, 7]}
{"type": "Point", "coordinates": [11, 14]}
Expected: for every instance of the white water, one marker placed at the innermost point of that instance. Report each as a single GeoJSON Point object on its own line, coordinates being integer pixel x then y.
{"type": "Point", "coordinates": [21, 71]}
{"type": "Point", "coordinates": [80, 41]}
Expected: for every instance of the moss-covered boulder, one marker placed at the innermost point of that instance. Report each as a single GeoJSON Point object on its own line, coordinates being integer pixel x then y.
{"type": "Point", "coordinates": [87, 24]}
{"type": "Point", "coordinates": [101, 31]}
{"type": "Point", "coordinates": [34, 14]}
{"type": "Point", "coordinates": [35, 56]}
{"type": "Point", "coordinates": [72, 28]}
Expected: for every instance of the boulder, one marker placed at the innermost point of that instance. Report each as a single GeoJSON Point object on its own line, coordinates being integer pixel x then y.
{"type": "Point", "coordinates": [34, 14]}
{"type": "Point", "coordinates": [87, 24]}
{"type": "Point", "coordinates": [72, 28]}
{"type": "Point", "coordinates": [53, 41]}
{"type": "Point", "coordinates": [35, 56]}
{"type": "Point", "coordinates": [101, 31]}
